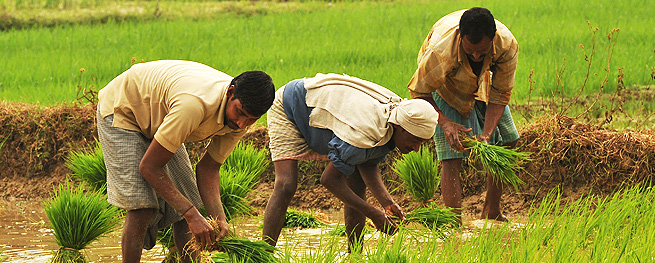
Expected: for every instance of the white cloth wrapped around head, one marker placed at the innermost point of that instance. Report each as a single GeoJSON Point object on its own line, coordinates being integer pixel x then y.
{"type": "Point", "coordinates": [417, 116]}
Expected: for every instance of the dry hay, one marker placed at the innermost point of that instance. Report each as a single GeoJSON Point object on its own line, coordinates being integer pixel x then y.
{"type": "Point", "coordinates": [567, 153]}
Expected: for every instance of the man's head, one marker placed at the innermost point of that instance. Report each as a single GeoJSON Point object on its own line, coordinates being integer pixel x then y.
{"type": "Point", "coordinates": [477, 29]}
{"type": "Point", "coordinates": [414, 123]}
{"type": "Point", "coordinates": [250, 95]}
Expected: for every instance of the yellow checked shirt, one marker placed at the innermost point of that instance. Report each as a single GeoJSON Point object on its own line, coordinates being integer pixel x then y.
{"type": "Point", "coordinates": [443, 67]}
{"type": "Point", "coordinates": [174, 102]}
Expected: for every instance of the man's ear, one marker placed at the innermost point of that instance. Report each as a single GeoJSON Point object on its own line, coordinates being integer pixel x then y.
{"type": "Point", "coordinates": [230, 92]}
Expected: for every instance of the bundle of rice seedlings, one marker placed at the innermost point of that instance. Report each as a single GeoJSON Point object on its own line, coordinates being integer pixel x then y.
{"type": "Point", "coordinates": [236, 249]}
{"type": "Point", "coordinates": [88, 166]}
{"type": "Point", "coordinates": [235, 187]}
{"type": "Point", "coordinates": [247, 159]}
{"type": "Point", "coordinates": [239, 175]}
{"type": "Point", "coordinates": [296, 218]}
{"type": "Point", "coordinates": [79, 218]}
{"type": "Point", "coordinates": [433, 217]}
{"type": "Point", "coordinates": [340, 230]}
{"type": "Point", "coordinates": [501, 162]}
{"type": "Point", "coordinates": [419, 174]}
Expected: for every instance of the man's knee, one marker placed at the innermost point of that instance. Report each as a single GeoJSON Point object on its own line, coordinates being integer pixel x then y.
{"type": "Point", "coordinates": [286, 187]}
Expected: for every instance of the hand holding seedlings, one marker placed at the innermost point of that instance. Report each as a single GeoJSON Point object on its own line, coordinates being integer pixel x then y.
{"type": "Point", "coordinates": [394, 210]}
{"type": "Point", "coordinates": [501, 162]}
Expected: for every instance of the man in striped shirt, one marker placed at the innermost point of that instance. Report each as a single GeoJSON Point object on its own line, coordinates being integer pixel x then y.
{"type": "Point", "coordinates": [466, 69]}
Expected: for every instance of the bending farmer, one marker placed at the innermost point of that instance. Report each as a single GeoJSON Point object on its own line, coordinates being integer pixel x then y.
{"type": "Point", "coordinates": [144, 117]}
{"type": "Point", "coordinates": [352, 123]}
{"type": "Point", "coordinates": [466, 71]}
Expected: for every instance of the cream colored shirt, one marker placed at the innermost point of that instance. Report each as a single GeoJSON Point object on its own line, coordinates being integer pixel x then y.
{"type": "Point", "coordinates": [443, 67]}
{"type": "Point", "coordinates": [174, 102]}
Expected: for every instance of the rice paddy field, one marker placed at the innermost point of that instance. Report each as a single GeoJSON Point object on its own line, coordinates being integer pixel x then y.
{"type": "Point", "coordinates": [589, 65]}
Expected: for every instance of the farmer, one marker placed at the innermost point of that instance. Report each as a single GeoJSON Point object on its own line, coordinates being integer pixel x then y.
{"type": "Point", "coordinates": [144, 117]}
{"type": "Point", "coordinates": [466, 71]}
{"type": "Point", "coordinates": [352, 123]}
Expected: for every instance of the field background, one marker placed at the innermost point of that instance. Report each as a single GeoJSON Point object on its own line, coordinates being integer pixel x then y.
{"type": "Point", "coordinates": [46, 43]}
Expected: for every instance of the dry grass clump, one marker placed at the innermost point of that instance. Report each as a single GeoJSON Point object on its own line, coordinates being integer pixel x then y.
{"type": "Point", "coordinates": [566, 151]}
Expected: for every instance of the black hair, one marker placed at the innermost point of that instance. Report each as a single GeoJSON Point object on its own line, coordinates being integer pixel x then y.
{"type": "Point", "coordinates": [255, 90]}
{"type": "Point", "coordinates": [476, 23]}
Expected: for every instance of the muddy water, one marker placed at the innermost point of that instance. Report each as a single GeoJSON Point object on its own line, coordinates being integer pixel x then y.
{"type": "Point", "coordinates": [26, 237]}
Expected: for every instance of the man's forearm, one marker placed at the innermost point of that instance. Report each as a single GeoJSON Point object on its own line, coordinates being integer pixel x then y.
{"type": "Point", "coordinates": [162, 184]}
{"type": "Point", "coordinates": [333, 180]}
{"type": "Point", "coordinates": [208, 180]}
{"type": "Point", "coordinates": [373, 179]}
{"type": "Point", "coordinates": [492, 117]}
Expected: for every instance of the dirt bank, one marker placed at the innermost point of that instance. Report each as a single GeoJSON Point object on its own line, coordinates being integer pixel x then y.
{"type": "Point", "coordinates": [574, 157]}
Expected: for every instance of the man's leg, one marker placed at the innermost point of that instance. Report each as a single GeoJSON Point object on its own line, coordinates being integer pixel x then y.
{"type": "Point", "coordinates": [182, 235]}
{"type": "Point", "coordinates": [491, 209]}
{"type": "Point", "coordinates": [286, 181]}
{"type": "Point", "coordinates": [355, 220]}
{"type": "Point", "coordinates": [134, 231]}
{"type": "Point", "coordinates": [451, 187]}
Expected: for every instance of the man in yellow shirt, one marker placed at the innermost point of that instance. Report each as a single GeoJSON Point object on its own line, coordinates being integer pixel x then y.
{"type": "Point", "coordinates": [466, 69]}
{"type": "Point", "coordinates": [144, 117]}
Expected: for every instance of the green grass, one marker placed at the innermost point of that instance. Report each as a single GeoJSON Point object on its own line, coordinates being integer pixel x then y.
{"type": "Point", "coordinates": [377, 41]}
{"type": "Point", "coordinates": [617, 228]}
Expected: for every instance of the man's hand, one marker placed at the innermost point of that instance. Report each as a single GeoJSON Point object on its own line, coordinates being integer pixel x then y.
{"type": "Point", "coordinates": [451, 131]}
{"type": "Point", "coordinates": [383, 223]}
{"type": "Point", "coordinates": [395, 209]}
{"type": "Point", "coordinates": [224, 228]}
{"type": "Point", "coordinates": [202, 231]}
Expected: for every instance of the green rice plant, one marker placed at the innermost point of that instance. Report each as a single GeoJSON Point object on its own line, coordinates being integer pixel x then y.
{"type": "Point", "coordinates": [88, 166]}
{"type": "Point", "coordinates": [419, 174]}
{"type": "Point", "coordinates": [247, 159]}
{"type": "Point", "coordinates": [501, 162]}
{"type": "Point", "coordinates": [340, 230]}
{"type": "Point", "coordinates": [297, 218]}
{"type": "Point", "coordinates": [235, 187]}
{"type": "Point", "coordinates": [433, 217]}
{"type": "Point", "coordinates": [78, 218]}
{"type": "Point", "coordinates": [239, 175]}
{"type": "Point", "coordinates": [240, 250]}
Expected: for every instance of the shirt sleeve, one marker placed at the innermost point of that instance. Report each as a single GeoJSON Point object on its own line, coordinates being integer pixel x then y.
{"type": "Point", "coordinates": [430, 74]}
{"type": "Point", "coordinates": [346, 157]}
{"type": "Point", "coordinates": [184, 116]}
{"type": "Point", "coordinates": [221, 146]}
{"type": "Point", "coordinates": [504, 72]}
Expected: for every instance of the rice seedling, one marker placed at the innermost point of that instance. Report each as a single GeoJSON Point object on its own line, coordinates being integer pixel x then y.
{"type": "Point", "coordinates": [433, 217]}
{"type": "Point", "coordinates": [235, 187]}
{"type": "Point", "coordinates": [236, 249]}
{"type": "Point", "coordinates": [78, 218]}
{"type": "Point", "coordinates": [88, 166]}
{"type": "Point", "coordinates": [340, 230]}
{"type": "Point", "coordinates": [239, 175]}
{"type": "Point", "coordinates": [248, 159]}
{"type": "Point", "coordinates": [501, 162]}
{"type": "Point", "coordinates": [297, 218]}
{"type": "Point", "coordinates": [419, 174]}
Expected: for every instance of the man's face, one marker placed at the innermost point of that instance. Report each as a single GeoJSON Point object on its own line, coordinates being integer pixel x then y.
{"type": "Point", "coordinates": [405, 141]}
{"type": "Point", "coordinates": [235, 116]}
{"type": "Point", "coordinates": [476, 52]}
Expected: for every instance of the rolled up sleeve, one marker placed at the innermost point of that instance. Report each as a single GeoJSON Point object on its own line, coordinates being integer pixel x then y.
{"type": "Point", "coordinates": [503, 76]}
